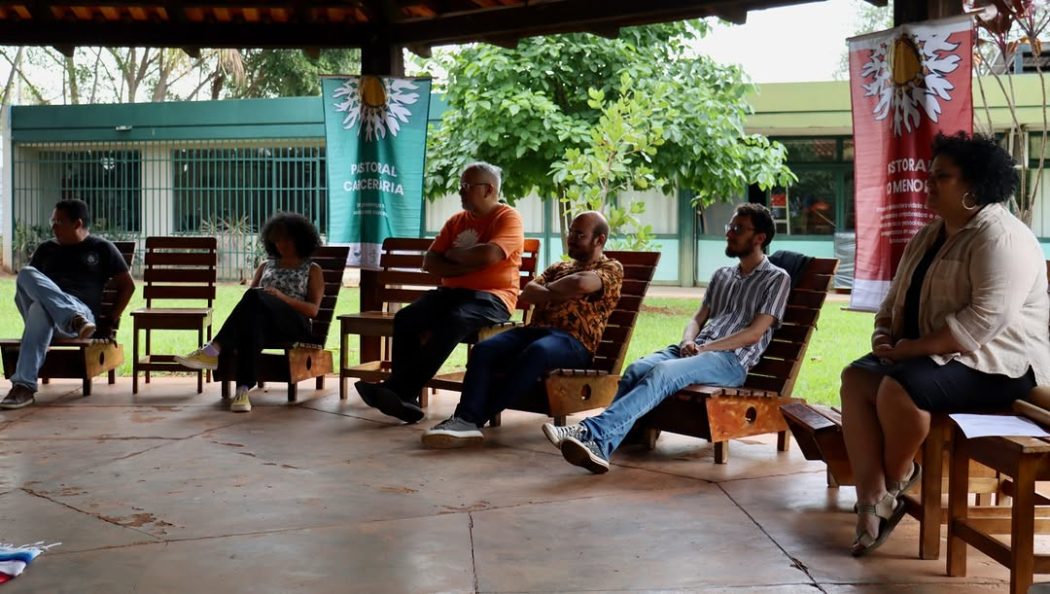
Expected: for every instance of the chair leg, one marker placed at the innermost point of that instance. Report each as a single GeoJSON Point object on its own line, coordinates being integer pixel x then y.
{"type": "Point", "coordinates": [496, 421]}
{"type": "Point", "coordinates": [225, 389]}
{"type": "Point", "coordinates": [319, 383]}
{"type": "Point", "coordinates": [293, 391]}
{"type": "Point", "coordinates": [784, 441]}
{"type": "Point", "coordinates": [134, 360]}
{"type": "Point", "coordinates": [149, 348]}
{"type": "Point", "coordinates": [343, 388]}
{"type": "Point", "coordinates": [721, 452]}
{"type": "Point", "coordinates": [200, 382]}
{"type": "Point", "coordinates": [424, 398]}
{"type": "Point", "coordinates": [87, 386]}
{"type": "Point", "coordinates": [111, 376]}
{"type": "Point", "coordinates": [559, 421]}
{"type": "Point", "coordinates": [651, 435]}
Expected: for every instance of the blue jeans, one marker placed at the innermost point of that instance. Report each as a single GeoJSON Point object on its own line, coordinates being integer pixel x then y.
{"type": "Point", "coordinates": [45, 310]}
{"type": "Point", "coordinates": [649, 380]}
{"type": "Point", "coordinates": [507, 366]}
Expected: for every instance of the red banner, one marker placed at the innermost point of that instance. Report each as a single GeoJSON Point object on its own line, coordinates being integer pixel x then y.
{"type": "Point", "coordinates": [906, 85]}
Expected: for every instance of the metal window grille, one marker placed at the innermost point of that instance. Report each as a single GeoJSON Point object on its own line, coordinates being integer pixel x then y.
{"type": "Point", "coordinates": [225, 189]}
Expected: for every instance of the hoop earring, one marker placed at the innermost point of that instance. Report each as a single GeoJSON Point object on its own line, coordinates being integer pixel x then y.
{"type": "Point", "coordinates": [969, 207]}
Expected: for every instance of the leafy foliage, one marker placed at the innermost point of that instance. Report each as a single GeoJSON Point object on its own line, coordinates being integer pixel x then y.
{"type": "Point", "coordinates": [291, 73]}
{"type": "Point", "coordinates": [539, 111]}
{"type": "Point", "coordinates": [1001, 33]}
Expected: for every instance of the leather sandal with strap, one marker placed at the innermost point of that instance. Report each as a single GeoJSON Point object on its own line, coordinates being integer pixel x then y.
{"type": "Point", "coordinates": [889, 510]}
{"type": "Point", "coordinates": [896, 488]}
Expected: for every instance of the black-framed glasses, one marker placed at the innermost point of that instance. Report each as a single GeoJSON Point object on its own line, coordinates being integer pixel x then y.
{"type": "Point", "coordinates": [737, 228]}
{"type": "Point", "coordinates": [466, 186]}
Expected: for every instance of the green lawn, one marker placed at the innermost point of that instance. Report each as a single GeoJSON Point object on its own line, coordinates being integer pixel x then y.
{"type": "Point", "coordinates": [841, 336]}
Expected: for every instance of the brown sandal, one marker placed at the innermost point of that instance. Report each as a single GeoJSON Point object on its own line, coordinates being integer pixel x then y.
{"type": "Point", "coordinates": [889, 510]}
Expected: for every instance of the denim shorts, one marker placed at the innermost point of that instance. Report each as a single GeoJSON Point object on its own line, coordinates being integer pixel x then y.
{"type": "Point", "coordinates": [952, 387]}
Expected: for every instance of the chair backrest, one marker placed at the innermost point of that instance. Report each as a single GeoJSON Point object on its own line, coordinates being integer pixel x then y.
{"type": "Point", "coordinates": [104, 323]}
{"type": "Point", "coordinates": [638, 271]}
{"type": "Point", "coordinates": [180, 268]}
{"type": "Point", "coordinates": [402, 279]}
{"type": "Point", "coordinates": [778, 368]}
{"type": "Point", "coordinates": [332, 260]}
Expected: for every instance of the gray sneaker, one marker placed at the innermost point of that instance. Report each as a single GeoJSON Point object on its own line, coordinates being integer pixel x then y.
{"type": "Point", "coordinates": [19, 396]}
{"type": "Point", "coordinates": [584, 454]}
{"type": "Point", "coordinates": [556, 434]}
{"type": "Point", "coordinates": [453, 432]}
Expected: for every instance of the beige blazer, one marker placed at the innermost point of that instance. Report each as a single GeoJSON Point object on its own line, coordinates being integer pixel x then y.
{"type": "Point", "coordinates": [988, 284]}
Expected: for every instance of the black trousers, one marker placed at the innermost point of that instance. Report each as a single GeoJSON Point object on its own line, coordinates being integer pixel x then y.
{"type": "Point", "coordinates": [427, 331]}
{"type": "Point", "coordinates": [257, 320]}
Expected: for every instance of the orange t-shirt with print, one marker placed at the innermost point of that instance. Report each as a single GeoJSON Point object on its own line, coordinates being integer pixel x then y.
{"type": "Point", "coordinates": [502, 228]}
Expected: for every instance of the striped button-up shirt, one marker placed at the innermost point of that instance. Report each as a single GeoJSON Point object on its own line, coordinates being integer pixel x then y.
{"type": "Point", "coordinates": [734, 299]}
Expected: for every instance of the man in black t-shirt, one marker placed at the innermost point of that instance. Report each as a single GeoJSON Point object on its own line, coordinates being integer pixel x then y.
{"type": "Point", "coordinates": [61, 291]}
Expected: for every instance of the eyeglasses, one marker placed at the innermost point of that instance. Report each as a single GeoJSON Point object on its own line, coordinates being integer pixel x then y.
{"type": "Point", "coordinates": [737, 228]}
{"type": "Point", "coordinates": [465, 186]}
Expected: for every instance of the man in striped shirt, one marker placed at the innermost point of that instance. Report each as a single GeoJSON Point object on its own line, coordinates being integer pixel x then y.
{"type": "Point", "coordinates": [726, 337]}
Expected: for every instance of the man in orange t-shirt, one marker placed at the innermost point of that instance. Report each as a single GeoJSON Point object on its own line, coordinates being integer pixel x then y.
{"type": "Point", "coordinates": [477, 255]}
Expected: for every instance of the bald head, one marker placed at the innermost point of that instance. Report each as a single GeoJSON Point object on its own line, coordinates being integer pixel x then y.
{"type": "Point", "coordinates": [587, 235]}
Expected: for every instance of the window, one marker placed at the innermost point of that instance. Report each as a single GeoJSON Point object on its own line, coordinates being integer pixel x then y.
{"type": "Point", "coordinates": [235, 189]}
{"type": "Point", "coordinates": [107, 180]}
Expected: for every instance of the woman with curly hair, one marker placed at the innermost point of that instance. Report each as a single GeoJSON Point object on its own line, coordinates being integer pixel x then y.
{"type": "Point", "coordinates": [284, 297]}
{"type": "Point", "coordinates": [963, 328]}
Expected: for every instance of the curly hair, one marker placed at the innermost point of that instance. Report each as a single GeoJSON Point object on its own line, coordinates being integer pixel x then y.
{"type": "Point", "coordinates": [293, 225]}
{"type": "Point", "coordinates": [984, 165]}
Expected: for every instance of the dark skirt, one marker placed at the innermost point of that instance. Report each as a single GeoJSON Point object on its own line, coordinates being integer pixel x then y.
{"type": "Point", "coordinates": [952, 387]}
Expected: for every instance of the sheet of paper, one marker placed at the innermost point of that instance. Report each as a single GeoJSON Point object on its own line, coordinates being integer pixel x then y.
{"type": "Point", "coordinates": [1005, 425]}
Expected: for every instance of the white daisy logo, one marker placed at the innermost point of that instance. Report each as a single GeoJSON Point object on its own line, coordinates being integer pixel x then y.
{"type": "Point", "coordinates": [378, 104]}
{"type": "Point", "coordinates": [466, 238]}
{"type": "Point", "coordinates": [909, 76]}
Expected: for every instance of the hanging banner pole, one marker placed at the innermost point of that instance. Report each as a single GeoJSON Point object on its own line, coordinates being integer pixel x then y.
{"type": "Point", "coordinates": [907, 85]}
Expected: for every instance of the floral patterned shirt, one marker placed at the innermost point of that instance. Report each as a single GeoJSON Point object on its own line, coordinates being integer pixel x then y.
{"type": "Point", "coordinates": [584, 317]}
{"type": "Point", "coordinates": [293, 282]}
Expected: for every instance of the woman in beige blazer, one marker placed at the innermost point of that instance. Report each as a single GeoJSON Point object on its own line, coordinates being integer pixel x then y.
{"type": "Point", "coordinates": [963, 328]}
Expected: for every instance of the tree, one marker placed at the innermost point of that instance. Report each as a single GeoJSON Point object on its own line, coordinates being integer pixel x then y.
{"type": "Point", "coordinates": [291, 73]}
{"type": "Point", "coordinates": [540, 108]}
{"type": "Point", "coordinates": [868, 18]}
{"type": "Point", "coordinates": [119, 75]}
{"type": "Point", "coordinates": [1003, 29]}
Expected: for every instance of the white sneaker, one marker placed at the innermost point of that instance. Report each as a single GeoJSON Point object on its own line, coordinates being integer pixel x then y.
{"type": "Point", "coordinates": [241, 403]}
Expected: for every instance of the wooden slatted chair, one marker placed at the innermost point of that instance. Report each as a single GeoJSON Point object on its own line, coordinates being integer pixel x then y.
{"type": "Point", "coordinates": [401, 281]}
{"type": "Point", "coordinates": [176, 268]}
{"type": "Point", "coordinates": [718, 414]}
{"type": "Point", "coordinates": [80, 358]}
{"type": "Point", "coordinates": [818, 431]}
{"type": "Point", "coordinates": [569, 391]}
{"type": "Point", "coordinates": [295, 362]}
{"type": "Point", "coordinates": [1026, 461]}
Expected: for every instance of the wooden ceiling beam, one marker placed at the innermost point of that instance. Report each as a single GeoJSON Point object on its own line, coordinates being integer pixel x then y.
{"type": "Point", "coordinates": [504, 24]}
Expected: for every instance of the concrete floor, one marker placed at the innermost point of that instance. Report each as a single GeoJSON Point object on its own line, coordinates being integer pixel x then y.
{"type": "Point", "coordinates": [168, 492]}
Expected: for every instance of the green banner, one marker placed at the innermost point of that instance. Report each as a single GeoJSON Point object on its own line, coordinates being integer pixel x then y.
{"type": "Point", "coordinates": [376, 136]}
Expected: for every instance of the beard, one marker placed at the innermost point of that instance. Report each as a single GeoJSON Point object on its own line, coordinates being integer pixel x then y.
{"type": "Point", "coordinates": [736, 253]}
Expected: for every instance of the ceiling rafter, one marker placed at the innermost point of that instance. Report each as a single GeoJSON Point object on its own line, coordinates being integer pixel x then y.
{"type": "Point", "coordinates": [302, 24]}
